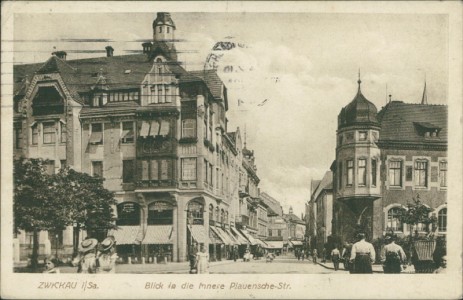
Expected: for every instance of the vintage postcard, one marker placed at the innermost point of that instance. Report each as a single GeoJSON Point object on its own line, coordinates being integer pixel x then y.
{"type": "Point", "coordinates": [231, 150]}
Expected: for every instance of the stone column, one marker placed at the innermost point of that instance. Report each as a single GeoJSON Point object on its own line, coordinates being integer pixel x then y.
{"type": "Point", "coordinates": [181, 231]}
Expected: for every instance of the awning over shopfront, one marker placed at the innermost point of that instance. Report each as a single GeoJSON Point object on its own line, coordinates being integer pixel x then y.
{"type": "Point", "coordinates": [199, 234]}
{"type": "Point", "coordinates": [214, 238]}
{"type": "Point", "coordinates": [229, 240]}
{"type": "Point", "coordinates": [232, 237]}
{"type": "Point", "coordinates": [260, 242]}
{"type": "Point", "coordinates": [219, 233]}
{"type": "Point", "coordinates": [249, 237]}
{"type": "Point", "coordinates": [127, 235]}
{"type": "Point", "coordinates": [296, 243]}
{"type": "Point", "coordinates": [274, 245]}
{"type": "Point", "coordinates": [240, 238]}
{"type": "Point", "coordinates": [159, 234]}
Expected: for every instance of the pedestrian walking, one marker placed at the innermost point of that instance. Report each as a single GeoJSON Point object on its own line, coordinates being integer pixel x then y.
{"type": "Point", "coordinates": [335, 256]}
{"type": "Point", "coordinates": [107, 256]}
{"type": "Point", "coordinates": [302, 253]}
{"type": "Point", "coordinates": [298, 254]}
{"type": "Point", "coordinates": [362, 256]}
{"type": "Point", "coordinates": [192, 256]}
{"type": "Point", "coordinates": [392, 256]}
{"type": "Point", "coordinates": [235, 253]}
{"type": "Point", "coordinates": [314, 255]}
{"type": "Point", "coordinates": [346, 251]}
{"type": "Point", "coordinates": [202, 261]}
{"type": "Point", "coordinates": [324, 255]}
{"type": "Point", "coordinates": [86, 259]}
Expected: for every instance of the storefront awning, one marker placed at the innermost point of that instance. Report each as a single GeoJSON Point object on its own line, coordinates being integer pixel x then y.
{"type": "Point", "coordinates": [249, 237]}
{"type": "Point", "coordinates": [260, 242]}
{"type": "Point", "coordinates": [296, 243]}
{"type": "Point", "coordinates": [228, 240]}
{"type": "Point", "coordinates": [214, 238]}
{"type": "Point", "coordinates": [159, 234]}
{"type": "Point", "coordinates": [232, 237]}
{"type": "Point", "coordinates": [274, 245]}
{"type": "Point", "coordinates": [220, 235]}
{"type": "Point", "coordinates": [199, 234]}
{"type": "Point", "coordinates": [239, 237]}
{"type": "Point", "coordinates": [127, 235]}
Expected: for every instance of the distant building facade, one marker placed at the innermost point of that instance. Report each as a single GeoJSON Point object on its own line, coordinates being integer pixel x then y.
{"type": "Point", "coordinates": [323, 213]}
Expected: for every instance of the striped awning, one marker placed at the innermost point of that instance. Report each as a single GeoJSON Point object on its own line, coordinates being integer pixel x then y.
{"type": "Point", "coordinates": [228, 240]}
{"type": "Point", "coordinates": [158, 234]}
{"type": "Point", "coordinates": [127, 235]}
{"type": "Point", "coordinates": [249, 237]}
{"type": "Point", "coordinates": [199, 234]}
{"type": "Point", "coordinates": [241, 239]}
{"type": "Point", "coordinates": [232, 237]}
{"type": "Point", "coordinates": [214, 238]}
{"type": "Point", "coordinates": [296, 243]}
{"type": "Point", "coordinates": [425, 249]}
{"type": "Point", "coordinates": [220, 235]}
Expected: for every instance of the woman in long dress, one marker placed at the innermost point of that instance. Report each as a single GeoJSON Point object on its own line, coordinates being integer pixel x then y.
{"type": "Point", "coordinates": [202, 261]}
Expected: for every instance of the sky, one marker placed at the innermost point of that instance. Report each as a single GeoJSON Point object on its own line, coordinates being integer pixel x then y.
{"type": "Point", "coordinates": [292, 72]}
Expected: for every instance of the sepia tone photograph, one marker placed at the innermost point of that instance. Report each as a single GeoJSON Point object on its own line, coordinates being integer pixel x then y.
{"type": "Point", "coordinates": [266, 147]}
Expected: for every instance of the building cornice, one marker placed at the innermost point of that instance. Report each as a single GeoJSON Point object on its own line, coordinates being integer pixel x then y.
{"type": "Point", "coordinates": [437, 146]}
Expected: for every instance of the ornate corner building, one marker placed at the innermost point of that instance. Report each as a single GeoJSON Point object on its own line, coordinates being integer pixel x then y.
{"type": "Point", "coordinates": [383, 161]}
{"type": "Point", "coordinates": [157, 134]}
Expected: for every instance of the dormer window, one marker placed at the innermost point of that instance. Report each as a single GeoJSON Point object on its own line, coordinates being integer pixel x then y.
{"type": "Point", "coordinates": [427, 130]}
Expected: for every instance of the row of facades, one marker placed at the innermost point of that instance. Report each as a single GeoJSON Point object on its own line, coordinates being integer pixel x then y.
{"type": "Point", "coordinates": [158, 136]}
{"type": "Point", "coordinates": [384, 160]}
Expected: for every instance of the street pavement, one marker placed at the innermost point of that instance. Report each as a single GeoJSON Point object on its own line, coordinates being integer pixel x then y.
{"type": "Point", "coordinates": [280, 265]}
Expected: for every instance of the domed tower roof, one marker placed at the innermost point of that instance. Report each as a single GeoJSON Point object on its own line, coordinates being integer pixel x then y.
{"type": "Point", "coordinates": [359, 111]}
{"type": "Point", "coordinates": [163, 18]}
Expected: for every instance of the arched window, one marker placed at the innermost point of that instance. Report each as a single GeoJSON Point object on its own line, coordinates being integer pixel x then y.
{"type": "Point", "coordinates": [222, 216]}
{"type": "Point", "coordinates": [226, 217]}
{"type": "Point", "coordinates": [217, 214]}
{"type": "Point", "coordinates": [160, 213]}
{"type": "Point", "coordinates": [393, 221]}
{"type": "Point", "coordinates": [128, 213]}
{"type": "Point", "coordinates": [47, 101]}
{"type": "Point", "coordinates": [442, 220]}
{"type": "Point", "coordinates": [195, 213]}
{"type": "Point", "coordinates": [211, 212]}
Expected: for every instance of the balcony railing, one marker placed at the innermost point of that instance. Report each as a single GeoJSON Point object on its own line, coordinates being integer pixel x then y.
{"type": "Point", "coordinates": [156, 183]}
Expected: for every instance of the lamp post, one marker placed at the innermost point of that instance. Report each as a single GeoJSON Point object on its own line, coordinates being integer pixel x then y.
{"type": "Point", "coordinates": [56, 245]}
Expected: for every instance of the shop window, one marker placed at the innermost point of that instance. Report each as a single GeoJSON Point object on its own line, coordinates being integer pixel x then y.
{"type": "Point", "coordinates": [128, 213]}
{"type": "Point", "coordinates": [443, 173]}
{"type": "Point", "coordinates": [160, 213]}
{"type": "Point", "coordinates": [395, 173]}
{"type": "Point", "coordinates": [188, 168]}
{"type": "Point", "coordinates": [421, 173]}
{"type": "Point", "coordinates": [49, 133]}
{"type": "Point", "coordinates": [442, 220]}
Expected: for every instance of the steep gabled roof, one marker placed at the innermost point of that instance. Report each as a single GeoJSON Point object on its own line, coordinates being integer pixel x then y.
{"type": "Point", "coordinates": [325, 184]}
{"type": "Point", "coordinates": [400, 122]}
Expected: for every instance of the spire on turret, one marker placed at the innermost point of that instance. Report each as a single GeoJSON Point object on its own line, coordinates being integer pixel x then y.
{"type": "Point", "coordinates": [424, 99]}
{"type": "Point", "coordinates": [359, 81]}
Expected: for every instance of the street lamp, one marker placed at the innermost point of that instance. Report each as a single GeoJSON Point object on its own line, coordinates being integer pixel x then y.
{"type": "Point", "coordinates": [56, 245]}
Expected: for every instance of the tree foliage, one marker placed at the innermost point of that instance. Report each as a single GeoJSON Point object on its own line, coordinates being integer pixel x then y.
{"type": "Point", "coordinates": [417, 213]}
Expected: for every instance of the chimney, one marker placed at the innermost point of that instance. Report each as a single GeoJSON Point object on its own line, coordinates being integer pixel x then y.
{"type": "Point", "coordinates": [146, 47]}
{"type": "Point", "coordinates": [60, 54]}
{"type": "Point", "coordinates": [109, 51]}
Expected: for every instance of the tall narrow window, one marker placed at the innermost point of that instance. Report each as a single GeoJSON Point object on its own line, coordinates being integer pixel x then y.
{"type": "Point", "coordinates": [393, 221]}
{"type": "Point", "coordinates": [350, 172]}
{"type": "Point", "coordinates": [145, 170]}
{"type": "Point", "coordinates": [154, 170]}
{"type": "Point", "coordinates": [442, 220]}
{"type": "Point", "coordinates": [205, 124]}
{"type": "Point", "coordinates": [96, 137]}
{"type": "Point", "coordinates": [128, 134]}
{"type": "Point", "coordinates": [210, 180]}
{"type": "Point", "coordinates": [97, 168]}
{"type": "Point", "coordinates": [63, 132]}
{"type": "Point", "coordinates": [421, 173]}
{"type": "Point", "coordinates": [128, 170]}
{"type": "Point", "coordinates": [340, 174]}
{"type": "Point", "coordinates": [164, 169]}
{"type": "Point", "coordinates": [188, 168]}
{"type": "Point", "coordinates": [189, 128]}
{"type": "Point", "coordinates": [167, 93]}
{"type": "Point", "coordinates": [18, 137]}
{"type": "Point", "coordinates": [35, 134]}
{"type": "Point", "coordinates": [395, 173]}
{"type": "Point", "coordinates": [211, 212]}
{"type": "Point", "coordinates": [443, 173]}
{"type": "Point", "coordinates": [49, 133]}
{"type": "Point", "coordinates": [210, 125]}
{"type": "Point", "coordinates": [362, 173]}
{"type": "Point", "coordinates": [205, 171]}
{"type": "Point", "coordinates": [374, 171]}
